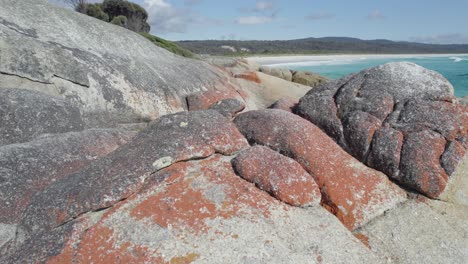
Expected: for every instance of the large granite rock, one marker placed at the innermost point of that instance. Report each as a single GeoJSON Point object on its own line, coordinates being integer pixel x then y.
{"type": "Point", "coordinates": [25, 115]}
{"type": "Point", "coordinates": [353, 192]}
{"type": "Point", "coordinates": [200, 211]}
{"type": "Point", "coordinates": [28, 168]}
{"type": "Point", "coordinates": [398, 118]}
{"type": "Point", "coordinates": [170, 139]}
{"type": "Point", "coordinates": [109, 72]}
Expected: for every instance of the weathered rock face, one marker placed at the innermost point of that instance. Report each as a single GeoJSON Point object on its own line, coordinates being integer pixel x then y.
{"type": "Point", "coordinates": [284, 74]}
{"type": "Point", "coordinates": [286, 104]}
{"type": "Point", "coordinates": [200, 211]}
{"type": "Point", "coordinates": [353, 192]}
{"type": "Point", "coordinates": [228, 107]}
{"type": "Point", "coordinates": [170, 139]}
{"type": "Point", "coordinates": [249, 76]}
{"type": "Point", "coordinates": [278, 175]}
{"type": "Point", "coordinates": [26, 169]}
{"type": "Point", "coordinates": [110, 73]}
{"type": "Point", "coordinates": [464, 100]}
{"type": "Point", "coordinates": [204, 100]}
{"type": "Point", "coordinates": [25, 115]}
{"type": "Point", "coordinates": [420, 239]}
{"type": "Point", "coordinates": [398, 118]}
{"type": "Point", "coordinates": [308, 78]}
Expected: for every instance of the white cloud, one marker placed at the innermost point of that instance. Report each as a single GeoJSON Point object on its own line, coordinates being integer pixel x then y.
{"type": "Point", "coordinates": [376, 15]}
{"type": "Point", "coordinates": [166, 18]}
{"type": "Point", "coordinates": [452, 38]}
{"type": "Point", "coordinates": [262, 6]}
{"type": "Point", "coordinates": [253, 20]}
{"type": "Point", "coordinates": [320, 16]}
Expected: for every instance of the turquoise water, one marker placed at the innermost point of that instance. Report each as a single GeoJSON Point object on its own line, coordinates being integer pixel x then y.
{"type": "Point", "coordinates": [454, 68]}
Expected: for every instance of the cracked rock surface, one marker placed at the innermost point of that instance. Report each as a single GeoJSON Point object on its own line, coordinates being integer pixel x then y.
{"type": "Point", "coordinates": [278, 175]}
{"type": "Point", "coordinates": [399, 118]}
{"type": "Point", "coordinates": [112, 74]}
{"type": "Point", "coordinates": [353, 192]}
{"type": "Point", "coordinates": [25, 115]}
{"type": "Point", "coordinates": [170, 139]}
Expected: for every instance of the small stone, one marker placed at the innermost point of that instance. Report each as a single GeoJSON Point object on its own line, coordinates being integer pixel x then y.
{"type": "Point", "coordinates": [162, 163]}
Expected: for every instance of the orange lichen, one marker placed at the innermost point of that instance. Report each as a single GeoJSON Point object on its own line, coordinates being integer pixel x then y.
{"type": "Point", "coordinates": [182, 205]}
{"type": "Point", "coordinates": [363, 238]}
{"type": "Point", "coordinates": [185, 259]}
{"type": "Point", "coordinates": [250, 76]}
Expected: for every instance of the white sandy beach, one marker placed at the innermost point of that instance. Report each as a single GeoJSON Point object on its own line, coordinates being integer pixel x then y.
{"type": "Point", "coordinates": [311, 60]}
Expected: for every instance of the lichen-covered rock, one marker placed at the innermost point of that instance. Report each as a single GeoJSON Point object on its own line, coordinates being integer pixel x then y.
{"type": "Point", "coordinates": [111, 73]}
{"type": "Point", "coordinates": [249, 76]}
{"type": "Point", "coordinates": [284, 74]}
{"type": "Point", "coordinates": [278, 175]}
{"type": "Point", "coordinates": [385, 153]}
{"type": "Point", "coordinates": [308, 78]}
{"type": "Point", "coordinates": [25, 115]}
{"type": "Point", "coordinates": [353, 192]}
{"type": "Point", "coordinates": [28, 168]}
{"type": "Point", "coordinates": [201, 211]}
{"type": "Point", "coordinates": [228, 107]}
{"type": "Point", "coordinates": [420, 165]}
{"type": "Point", "coordinates": [286, 104]}
{"type": "Point", "coordinates": [359, 128]}
{"type": "Point", "coordinates": [399, 118]}
{"type": "Point", "coordinates": [170, 139]}
{"type": "Point", "coordinates": [203, 100]}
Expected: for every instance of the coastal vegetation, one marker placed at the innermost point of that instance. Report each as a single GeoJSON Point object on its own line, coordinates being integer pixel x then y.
{"type": "Point", "coordinates": [327, 45]}
{"type": "Point", "coordinates": [169, 45]}
{"type": "Point", "coordinates": [128, 15]}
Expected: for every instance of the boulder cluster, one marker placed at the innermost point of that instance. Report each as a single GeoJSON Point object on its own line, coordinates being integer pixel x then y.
{"type": "Point", "coordinates": [192, 183]}
{"type": "Point", "coordinates": [105, 167]}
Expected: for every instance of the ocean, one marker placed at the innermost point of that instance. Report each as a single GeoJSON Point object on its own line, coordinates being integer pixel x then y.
{"type": "Point", "coordinates": [454, 68]}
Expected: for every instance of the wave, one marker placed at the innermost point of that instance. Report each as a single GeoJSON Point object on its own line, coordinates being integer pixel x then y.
{"type": "Point", "coordinates": [316, 62]}
{"type": "Point", "coordinates": [457, 59]}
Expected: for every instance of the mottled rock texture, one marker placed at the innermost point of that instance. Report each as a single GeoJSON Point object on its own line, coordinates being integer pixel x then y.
{"type": "Point", "coordinates": [308, 78]}
{"type": "Point", "coordinates": [25, 115]}
{"type": "Point", "coordinates": [228, 107]}
{"type": "Point", "coordinates": [112, 74]}
{"type": "Point", "coordinates": [278, 175]}
{"type": "Point", "coordinates": [169, 139]}
{"type": "Point", "coordinates": [203, 100]}
{"type": "Point", "coordinates": [399, 118]}
{"type": "Point", "coordinates": [284, 74]}
{"type": "Point", "coordinates": [249, 76]}
{"type": "Point", "coordinates": [286, 104]}
{"type": "Point", "coordinates": [353, 192]}
{"type": "Point", "coordinates": [201, 212]}
{"type": "Point", "coordinates": [28, 168]}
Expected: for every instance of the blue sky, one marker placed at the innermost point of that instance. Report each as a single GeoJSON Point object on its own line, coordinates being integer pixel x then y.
{"type": "Point", "coordinates": [430, 21]}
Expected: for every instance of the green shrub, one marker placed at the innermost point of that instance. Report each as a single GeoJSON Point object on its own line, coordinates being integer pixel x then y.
{"type": "Point", "coordinates": [136, 15]}
{"type": "Point", "coordinates": [170, 46]}
{"type": "Point", "coordinates": [120, 21]}
{"type": "Point", "coordinates": [95, 10]}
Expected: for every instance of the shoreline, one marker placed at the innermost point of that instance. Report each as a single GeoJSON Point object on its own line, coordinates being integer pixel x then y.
{"type": "Point", "coordinates": [298, 60]}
